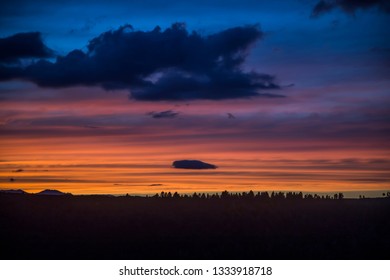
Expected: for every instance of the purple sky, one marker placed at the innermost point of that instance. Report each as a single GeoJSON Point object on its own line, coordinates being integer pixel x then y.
{"type": "Point", "coordinates": [287, 95]}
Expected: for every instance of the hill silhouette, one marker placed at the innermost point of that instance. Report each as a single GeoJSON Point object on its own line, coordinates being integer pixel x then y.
{"type": "Point", "coordinates": [172, 226]}
{"type": "Point", "coordinates": [52, 192]}
{"type": "Point", "coordinates": [13, 191]}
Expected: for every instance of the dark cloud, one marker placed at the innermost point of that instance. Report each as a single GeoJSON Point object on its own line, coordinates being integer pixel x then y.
{"type": "Point", "coordinates": [215, 84]}
{"type": "Point", "coordinates": [23, 45]}
{"type": "Point", "coordinates": [10, 72]}
{"type": "Point", "coordinates": [271, 95]}
{"type": "Point", "coordinates": [230, 116]}
{"type": "Point", "coordinates": [349, 6]}
{"type": "Point", "coordinates": [18, 170]}
{"type": "Point", "coordinates": [164, 114]}
{"type": "Point", "coordinates": [173, 64]}
{"type": "Point", "coordinates": [322, 7]}
{"type": "Point", "coordinates": [193, 164]}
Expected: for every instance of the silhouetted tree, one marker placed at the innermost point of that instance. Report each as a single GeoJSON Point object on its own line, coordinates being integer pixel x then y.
{"type": "Point", "coordinates": [251, 195]}
{"type": "Point", "coordinates": [265, 195]}
{"type": "Point", "coordinates": [225, 194]}
{"type": "Point", "coordinates": [176, 195]}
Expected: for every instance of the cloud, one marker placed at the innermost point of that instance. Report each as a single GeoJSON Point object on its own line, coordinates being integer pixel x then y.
{"type": "Point", "coordinates": [217, 84]}
{"type": "Point", "coordinates": [164, 114]}
{"type": "Point", "coordinates": [10, 72]}
{"type": "Point", "coordinates": [18, 170]}
{"type": "Point", "coordinates": [230, 116]}
{"type": "Point", "coordinates": [192, 164]}
{"type": "Point", "coordinates": [349, 6]}
{"type": "Point", "coordinates": [23, 45]}
{"type": "Point", "coordinates": [170, 64]}
{"type": "Point", "coordinates": [271, 95]}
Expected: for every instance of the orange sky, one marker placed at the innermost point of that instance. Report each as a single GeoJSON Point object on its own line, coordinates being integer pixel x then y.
{"type": "Point", "coordinates": [107, 144]}
{"type": "Point", "coordinates": [278, 96]}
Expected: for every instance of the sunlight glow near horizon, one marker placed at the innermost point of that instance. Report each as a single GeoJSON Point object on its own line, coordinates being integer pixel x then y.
{"type": "Point", "coordinates": [134, 152]}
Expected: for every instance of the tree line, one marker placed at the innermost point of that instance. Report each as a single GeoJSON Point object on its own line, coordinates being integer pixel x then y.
{"type": "Point", "coordinates": [250, 195]}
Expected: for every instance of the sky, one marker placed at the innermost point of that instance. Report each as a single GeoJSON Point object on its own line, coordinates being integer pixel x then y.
{"type": "Point", "coordinates": [101, 97]}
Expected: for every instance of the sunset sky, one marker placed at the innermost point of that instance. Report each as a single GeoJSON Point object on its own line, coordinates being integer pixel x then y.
{"type": "Point", "coordinates": [100, 97]}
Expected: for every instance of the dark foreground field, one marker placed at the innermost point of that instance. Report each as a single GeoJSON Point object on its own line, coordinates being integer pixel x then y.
{"type": "Point", "coordinates": [98, 227]}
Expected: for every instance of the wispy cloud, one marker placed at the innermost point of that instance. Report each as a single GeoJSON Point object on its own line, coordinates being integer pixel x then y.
{"type": "Point", "coordinates": [324, 6]}
{"type": "Point", "coordinates": [169, 114]}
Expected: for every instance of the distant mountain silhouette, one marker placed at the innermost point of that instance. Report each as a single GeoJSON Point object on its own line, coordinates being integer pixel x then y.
{"type": "Point", "coordinates": [193, 164]}
{"type": "Point", "coordinates": [19, 191]}
{"type": "Point", "coordinates": [52, 192]}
